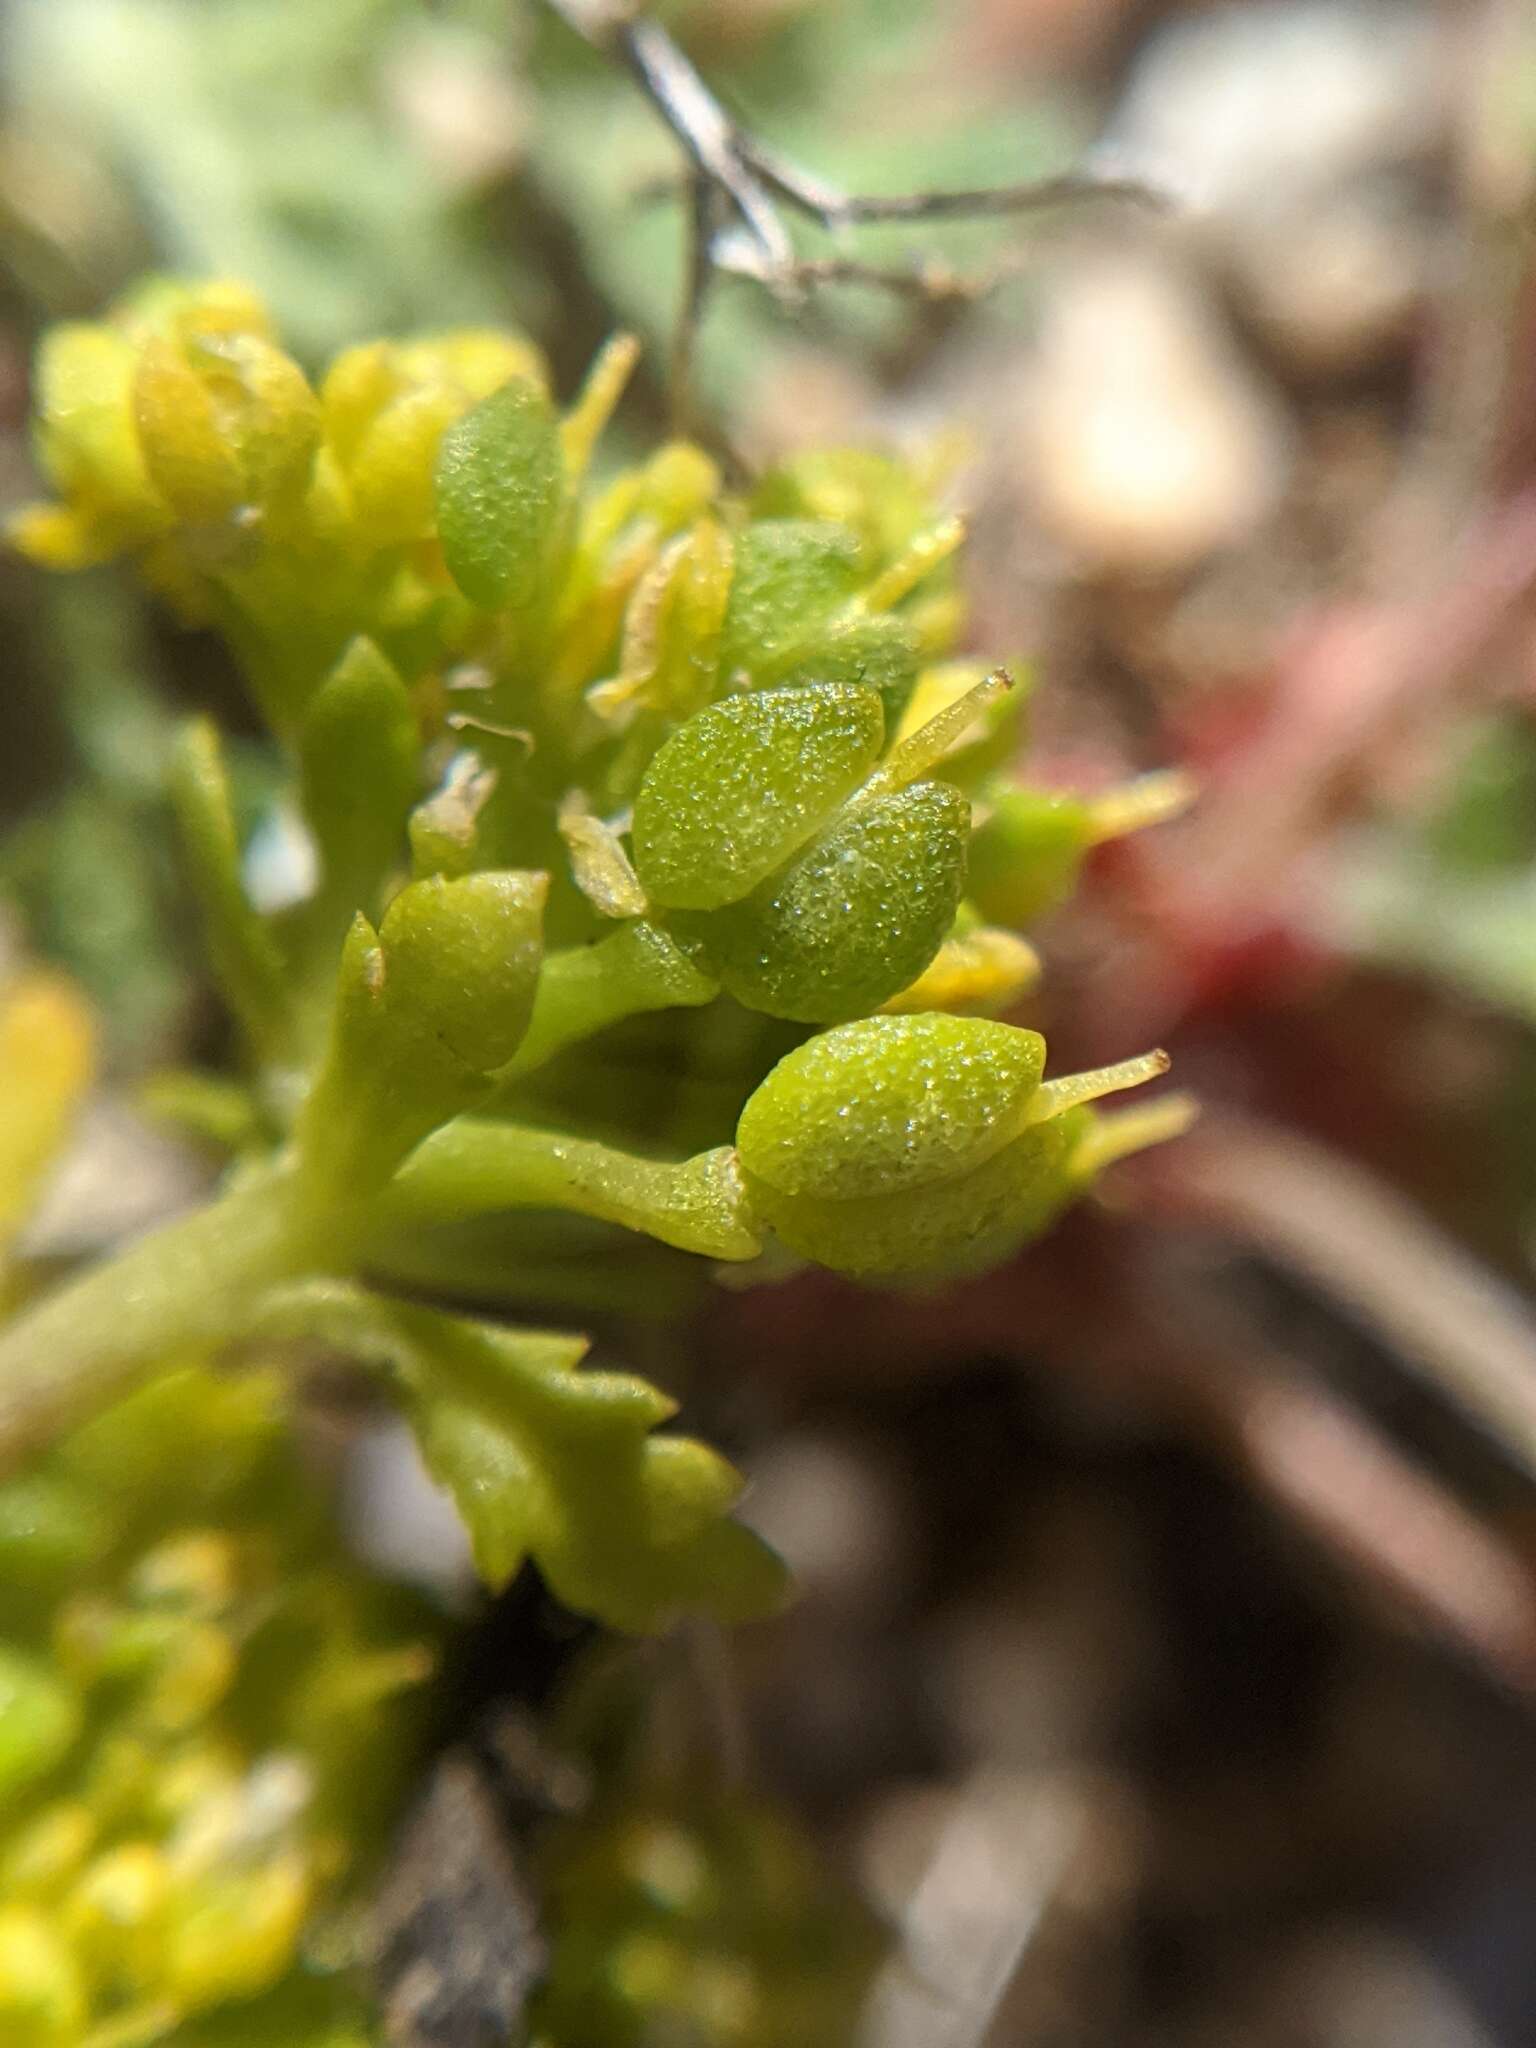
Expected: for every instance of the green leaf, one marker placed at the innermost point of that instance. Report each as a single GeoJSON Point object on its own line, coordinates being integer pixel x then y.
{"type": "Point", "coordinates": [39, 1720]}
{"type": "Point", "coordinates": [500, 496]}
{"type": "Point", "coordinates": [734, 792]}
{"type": "Point", "coordinates": [558, 1464]}
{"type": "Point", "coordinates": [562, 1465]}
{"type": "Point", "coordinates": [358, 776]}
{"type": "Point", "coordinates": [245, 958]}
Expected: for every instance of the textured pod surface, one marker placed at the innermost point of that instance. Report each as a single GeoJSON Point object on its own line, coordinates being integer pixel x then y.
{"type": "Point", "coordinates": [949, 1227]}
{"type": "Point", "coordinates": [856, 918]}
{"type": "Point", "coordinates": [743, 785]}
{"type": "Point", "coordinates": [879, 652]}
{"type": "Point", "coordinates": [791, 574]}
{"type": "Point", "coordinates": [889, 1103]}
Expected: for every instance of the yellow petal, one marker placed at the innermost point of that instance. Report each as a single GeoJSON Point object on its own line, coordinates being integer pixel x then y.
{"type": "Point", "coordinates": [356, 388]}
{"type": "Point", "coordinates": [86, 437]}
{"type": "Point", "coordinates": [54, 537]}
{"type": "Point", "coordinates": [979, 974]}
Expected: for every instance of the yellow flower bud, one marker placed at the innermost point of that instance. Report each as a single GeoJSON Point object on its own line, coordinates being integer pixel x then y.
{"type": "Point", "coordinates": [88, 444]}
{"type": "Point", "coordinates": [185, 450]}
{"type": "Point", "coordinates": [974, 972]}
{"type": "Point", "coordinates": [186, 311]}
{"type": "Point", "coordinates": [386, 406]}
{"type": "Point", "coordinates": [268, 414]}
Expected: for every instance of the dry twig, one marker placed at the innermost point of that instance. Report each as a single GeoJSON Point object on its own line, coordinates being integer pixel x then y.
{"type": "Point", "coordinates": [739, 188]}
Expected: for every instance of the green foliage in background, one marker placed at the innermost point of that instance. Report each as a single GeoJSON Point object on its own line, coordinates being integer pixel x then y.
{"type": "Point", "coordinates": [1452, 888]}
{"type": "Point", "coordinates": [697, 1916]}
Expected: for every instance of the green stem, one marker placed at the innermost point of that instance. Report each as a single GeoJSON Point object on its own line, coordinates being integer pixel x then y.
{"type": "Point", "coordinates": [187, 1284]}
{"type": "Point", "coordinates": [470, 1168]}
{"type": "Point", "coordinates": [581, 991]}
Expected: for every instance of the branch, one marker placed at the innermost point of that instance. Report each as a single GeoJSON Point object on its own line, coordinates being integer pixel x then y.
{"type": "Point", "coordinates": [738, 186]}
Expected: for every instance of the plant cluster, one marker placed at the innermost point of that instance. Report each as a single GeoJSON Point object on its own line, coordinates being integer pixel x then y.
{"type": "Point", "coordinates": [200, 1714]}
{"type": "Point", "coordinates": [561, 755]}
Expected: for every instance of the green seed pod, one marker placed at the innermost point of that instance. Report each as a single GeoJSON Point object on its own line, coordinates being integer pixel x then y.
{"type": "Point", "coordinates": [886, 499]}
{"type": "Point", "coordinates": [880, 652]}
{"type": "Point", "coordinates": [890, 1103]}
{"type": "Point", "coordinates": [953, 1227]}
{"type": "Point", "coordinates": [1026, 854]}
{"type": "Point", "coordinates": [462, 962]}
{"type": "Point", "coordinates": [426, 1009]}
{"type": "Point", "coordinates": [927, 1145]}
{"type": "Point", "coordinates": [791, 575]}
{"type": "Point", "coordinates": [854, 919]}
{"type": "Point", "coordinates": [742, 786]}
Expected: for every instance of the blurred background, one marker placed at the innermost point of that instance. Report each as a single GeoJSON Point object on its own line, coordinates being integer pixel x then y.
{"type": "Point", "coordinates": [1165, 1671]}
